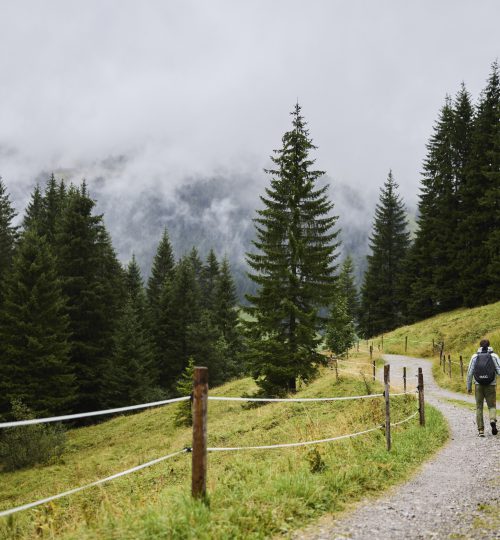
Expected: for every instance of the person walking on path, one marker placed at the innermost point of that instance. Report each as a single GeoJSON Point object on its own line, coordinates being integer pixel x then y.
{"type": "Point", "coordinates": [484, 366]}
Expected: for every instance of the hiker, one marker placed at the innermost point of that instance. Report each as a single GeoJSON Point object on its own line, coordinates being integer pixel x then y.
{"type": "Point", "coordinates": [484, 367]}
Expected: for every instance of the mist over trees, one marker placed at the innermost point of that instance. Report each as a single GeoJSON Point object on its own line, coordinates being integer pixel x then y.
{"type": "Point", "coordinates": [79, 332]}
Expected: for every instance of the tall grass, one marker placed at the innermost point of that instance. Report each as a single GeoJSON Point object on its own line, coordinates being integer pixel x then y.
{"type": "Point", "coordinates": [252, 494]}
{"type": "Point", "coordinates": [461, 330]}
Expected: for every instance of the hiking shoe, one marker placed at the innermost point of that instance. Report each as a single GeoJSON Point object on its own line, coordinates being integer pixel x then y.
{"type": "Point", "coordinates": [481, 433]}
{"type": "Point", "coordinates": [494, 429]}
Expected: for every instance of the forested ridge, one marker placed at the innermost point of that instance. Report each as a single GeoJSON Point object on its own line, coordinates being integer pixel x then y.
{"type": "Point", "coordinates": [79, 331]}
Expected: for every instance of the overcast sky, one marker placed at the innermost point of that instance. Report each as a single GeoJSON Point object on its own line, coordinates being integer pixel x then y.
{"type": "Point", "coordinates": [185, 88]}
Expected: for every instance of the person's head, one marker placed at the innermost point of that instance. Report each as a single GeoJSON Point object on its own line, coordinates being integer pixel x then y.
{"type": "Point", "coordinates": [484, 344]}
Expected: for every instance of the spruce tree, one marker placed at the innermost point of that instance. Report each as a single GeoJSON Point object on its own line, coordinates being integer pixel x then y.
{"type": "Point", "coordinates": [226, 314]}
{"type": "Point", "coordinates": [53, 201]}
{"type": "Point", "coordinates": [437, 212]}
{"type": "Point", "coordinates": [91, 281]}
{"type": "Point", "coordinates": [34, 214]}
{"type": "Point", "coordinates": [479, 282]}
{"type": "Point", "coordinates": [209, 274]}
{"type": "Point", "coordinates": [340, 332]}
{"type": "Point", "coordinates": [348, 289]}
{"type": "Point", "coordinates": [381, 303]}
{"type": "Point", "coordinates": [162, 274]}
{"type": "Point", "coordinates": [133, 379]}
{"type": "Point", "coordinates": [293, 266]}
{"type": "Point", "coordinates": [8, 236]}
{"type": "Point", "coordinates": [180, 310]}
{"type": "Point", "coordinates": [162, 270]}
{"type": "Point", "coordinates": [34, 331]}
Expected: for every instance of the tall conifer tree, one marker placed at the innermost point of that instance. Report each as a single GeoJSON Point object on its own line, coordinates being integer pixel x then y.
{"type": "Point", "coordinates": [34, 331]}
{"type": "Point", "coordinates": [91, 280]}
{"type": "Point", "coordinates": [293, 267]}
{"type": "Point", "coordinates": [381, 303]}
{"type": "Point", "coordinates": [478, 232]}
{"type": "Point", "coordinates": [8, 235]}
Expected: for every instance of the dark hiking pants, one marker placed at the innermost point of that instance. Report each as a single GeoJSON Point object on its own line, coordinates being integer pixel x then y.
{"type": "Point", "coordinates": [488, 393]}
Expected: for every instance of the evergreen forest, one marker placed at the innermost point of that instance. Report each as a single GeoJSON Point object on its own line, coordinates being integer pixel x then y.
{"type": "Point", "coordinates": [79, 331]}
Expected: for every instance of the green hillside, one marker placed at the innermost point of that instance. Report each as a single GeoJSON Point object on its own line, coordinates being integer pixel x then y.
{"type": "Point", "coordinates": [461, 330]}
{"type": "Point", "coordinates": [252, 494]}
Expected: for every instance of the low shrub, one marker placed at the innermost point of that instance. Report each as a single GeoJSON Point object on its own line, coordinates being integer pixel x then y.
{"type": "Point", "coordinates": [26, 446]}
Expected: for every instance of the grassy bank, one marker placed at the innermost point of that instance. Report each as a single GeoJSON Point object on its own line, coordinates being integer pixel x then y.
{"type": "Point", "coordinates": [461, 330]}
{"type": "Point", "coordinates": [252, 494]}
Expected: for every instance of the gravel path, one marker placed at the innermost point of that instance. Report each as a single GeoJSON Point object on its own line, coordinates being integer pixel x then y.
{"type": "Point", "coordinates": [445, 499]}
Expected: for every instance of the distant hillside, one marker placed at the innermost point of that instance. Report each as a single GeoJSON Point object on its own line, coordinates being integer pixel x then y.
{"type": "Point", "coordinates": [461, 330]}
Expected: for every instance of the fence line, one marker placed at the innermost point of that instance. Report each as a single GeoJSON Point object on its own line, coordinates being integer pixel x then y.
{"type": "Point", "coordinates": [199, 449]}
{"type": "Point", "coordinates": [308, 443]}
{"type": "Point", "coordinates": [88, 414]}
{"type": "Point", "coordinates": [340, 398]}
{"type": "Point", "coordinates": [92, 484]}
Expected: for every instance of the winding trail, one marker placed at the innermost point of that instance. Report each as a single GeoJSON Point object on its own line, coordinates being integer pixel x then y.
{"type": "Point", "coordinates": [444, 499]}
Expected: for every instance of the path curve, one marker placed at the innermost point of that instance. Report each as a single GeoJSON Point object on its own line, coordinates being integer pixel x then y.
{"type": "Point", "coordinates": [445, 497]}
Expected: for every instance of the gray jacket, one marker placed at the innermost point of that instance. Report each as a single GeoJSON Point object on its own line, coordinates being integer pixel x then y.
{"type": "Point", "coordinates": [472, 363]}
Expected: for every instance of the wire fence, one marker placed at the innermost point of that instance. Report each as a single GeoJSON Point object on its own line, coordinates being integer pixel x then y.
{"type": "Point", "coordinates": [200, 448]}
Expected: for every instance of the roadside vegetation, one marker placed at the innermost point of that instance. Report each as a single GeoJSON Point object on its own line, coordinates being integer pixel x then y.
{"type": "Point", "coordinates": [252, 494]}
{"type": "Point", "coordinates": [460, 330]}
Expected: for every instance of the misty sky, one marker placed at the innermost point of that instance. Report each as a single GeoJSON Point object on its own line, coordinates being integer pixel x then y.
{"type": "Point", "coordinates": [189, 88]}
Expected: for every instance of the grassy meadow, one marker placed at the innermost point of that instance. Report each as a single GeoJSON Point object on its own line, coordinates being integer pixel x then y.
{"type": "Point", "coordinates": [461, 330]}
{"type": "Point", "coordinates": [251, 494]}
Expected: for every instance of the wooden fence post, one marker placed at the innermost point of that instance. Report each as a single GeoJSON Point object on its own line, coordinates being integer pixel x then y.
{"type": "Point", "coordinates": [421, 402]}
{"type": "Point", "coordinates": [200, 407]}
{"type": "Point", "coordinates": [371, 351]}
{"type": "Point", "coordinates": [406, 343]}
{"type": "Point", "coordinates": [449, 365]}
{"type": "Point", "coordinates": [461, 367]}
{"type": "Point", "coordinates": [432, 346]}
{"type": "Point", "coordinates": [373, 369]}
{"type": "Point", "coordinates": [382, 341]}
{"type": "Point", "coordinates": [404, 379]}
{"type": "Point", "coordinates": [387, 369]}
{"type": "Point", "coordinates": [336, 370]}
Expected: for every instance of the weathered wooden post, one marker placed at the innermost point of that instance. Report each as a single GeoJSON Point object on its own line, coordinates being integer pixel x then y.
{"type": "Point", "coordinates": [404, 379]}
{"type": "Point", "coordinates": [449, 366]}
{"type": "Point", "coordinates": [432, 346]}
{"type": "Point", "coordinates": [200, 408]}
{"type": "Point", "coordinates": [373, 363]}
{"type": "Point", "coordinates": [387, 369]}
{"type": "Point", "coordinates": [336, 369]}
{"type": "Point", "coordinates": [382, 341]}
{"type": "Point", "coordinates": [421, 402]}
{"type": "Point", "coordinates": [371, 351]}
{"type": "Point", "coordinates": [461, 367]}
{"type": "Point", "coordinates": [406, 344]}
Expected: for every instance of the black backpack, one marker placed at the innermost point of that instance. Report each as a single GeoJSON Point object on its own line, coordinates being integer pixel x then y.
{"type": "Point", "coordinates": [484, 368]}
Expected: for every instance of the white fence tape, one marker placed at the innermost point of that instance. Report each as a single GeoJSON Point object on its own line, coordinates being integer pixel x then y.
{"type": "Point", "coordinates": [93, 413]}
{"type": "Point", "coordinates": [306, 443]}
{"type": "Point", "coordinates": [340, 398]}
{"type": "Point", "coordinates": [292, 445]}
{"type": "Point", "coordinates": [92, 484]}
